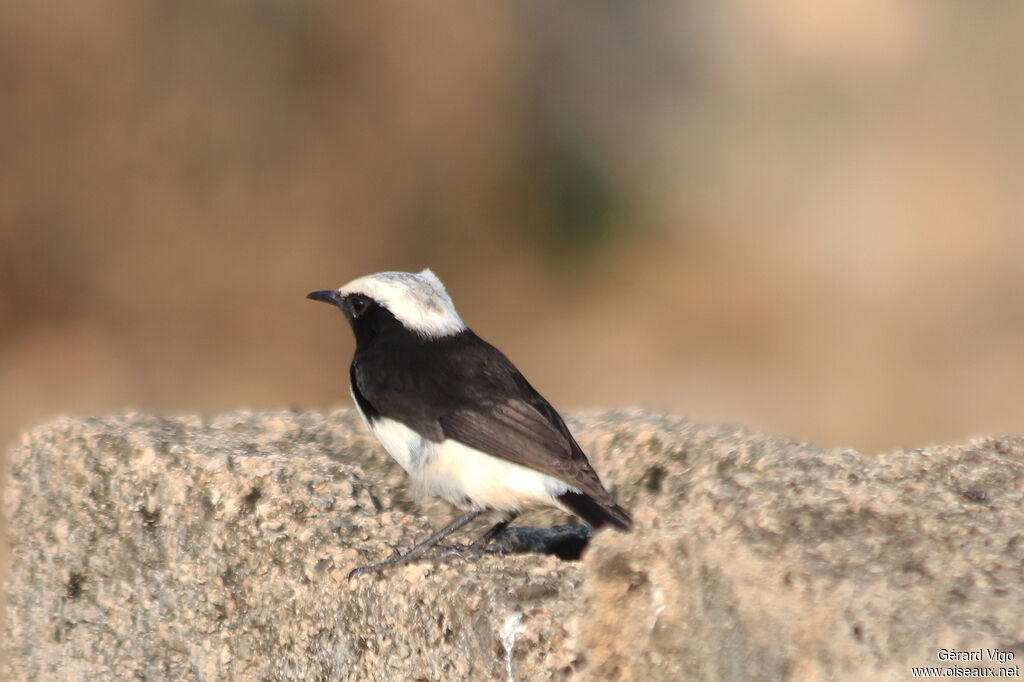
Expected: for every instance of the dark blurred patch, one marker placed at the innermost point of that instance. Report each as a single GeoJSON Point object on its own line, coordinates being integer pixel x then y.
{"type": "Point", "coordinates": [583, 201]}
{"type": "Point", "coordinates": [76, 582]}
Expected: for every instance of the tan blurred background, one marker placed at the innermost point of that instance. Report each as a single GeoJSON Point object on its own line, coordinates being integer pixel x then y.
{"type": "Point", "coordinates": [803, 217]}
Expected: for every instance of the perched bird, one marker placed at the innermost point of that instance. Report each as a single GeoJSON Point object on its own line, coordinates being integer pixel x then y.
{"type": "Point", "coordinates": [456, 414]}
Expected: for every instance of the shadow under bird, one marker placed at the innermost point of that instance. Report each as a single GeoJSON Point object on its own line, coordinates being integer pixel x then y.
{"type": "Point", "coordinates": [456, 414]}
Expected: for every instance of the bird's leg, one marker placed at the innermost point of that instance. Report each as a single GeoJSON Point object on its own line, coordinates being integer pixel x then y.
{"type": "Point", "coordinates": [422, 548]}
{"type": "Point", "coordinates": [493, 532]}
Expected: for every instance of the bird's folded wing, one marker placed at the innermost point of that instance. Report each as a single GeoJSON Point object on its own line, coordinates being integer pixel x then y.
{"type": "Point", "coordinates": [516, 431]}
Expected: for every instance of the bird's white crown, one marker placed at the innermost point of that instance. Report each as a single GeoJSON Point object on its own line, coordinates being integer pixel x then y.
{"type": "Point", "coordinates": [417, 299]}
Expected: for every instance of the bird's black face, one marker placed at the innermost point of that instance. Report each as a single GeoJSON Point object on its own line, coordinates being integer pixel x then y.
{"type": "Point", "coordinates": [355, 306]}
{"type": "Point", "coordinates": [365, 315]}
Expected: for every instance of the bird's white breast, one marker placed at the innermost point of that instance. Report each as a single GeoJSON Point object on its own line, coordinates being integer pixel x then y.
{"type": "Point", "coordinates": [465, 476]}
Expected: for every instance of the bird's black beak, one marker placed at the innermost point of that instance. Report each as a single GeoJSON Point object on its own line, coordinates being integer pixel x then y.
{"type": "Point", "coordinates": [329, 296]}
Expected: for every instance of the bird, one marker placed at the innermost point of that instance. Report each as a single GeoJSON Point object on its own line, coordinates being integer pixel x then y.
{"type": "Point", "coordinates": [457, 415]}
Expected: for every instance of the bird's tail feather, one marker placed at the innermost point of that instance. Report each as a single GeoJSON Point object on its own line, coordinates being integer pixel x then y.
{"type": "Point", "coordinates": [595, 513]}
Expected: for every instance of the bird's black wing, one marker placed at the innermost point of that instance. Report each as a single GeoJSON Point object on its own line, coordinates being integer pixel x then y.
{"type": "Point", "coordinates": [526, 429]}
{"type": "Point", "coordinates": [463, 388]}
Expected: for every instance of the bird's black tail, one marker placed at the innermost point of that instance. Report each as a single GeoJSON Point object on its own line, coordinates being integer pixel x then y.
{"type": "Point", "coordinates": [595, 513]}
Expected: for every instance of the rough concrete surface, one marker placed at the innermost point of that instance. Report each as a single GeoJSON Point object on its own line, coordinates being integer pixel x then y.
{"type": "Point", "coordinates": [149, 547]}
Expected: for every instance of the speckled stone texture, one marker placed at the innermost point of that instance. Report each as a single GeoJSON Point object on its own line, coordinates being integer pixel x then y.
{"type": "Point", "coordinates": [150, 547]}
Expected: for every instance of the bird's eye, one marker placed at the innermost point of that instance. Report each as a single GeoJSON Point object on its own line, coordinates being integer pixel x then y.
{"type": "Point", "coordinates": [358, 305]}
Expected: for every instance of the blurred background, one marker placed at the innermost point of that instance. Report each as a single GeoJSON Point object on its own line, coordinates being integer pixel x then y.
{"type": "Point", "coordinates": [806, 218]}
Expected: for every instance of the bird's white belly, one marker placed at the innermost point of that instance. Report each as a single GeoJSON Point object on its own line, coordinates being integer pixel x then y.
{"type": "Point", "coordinates": [465, 476]}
